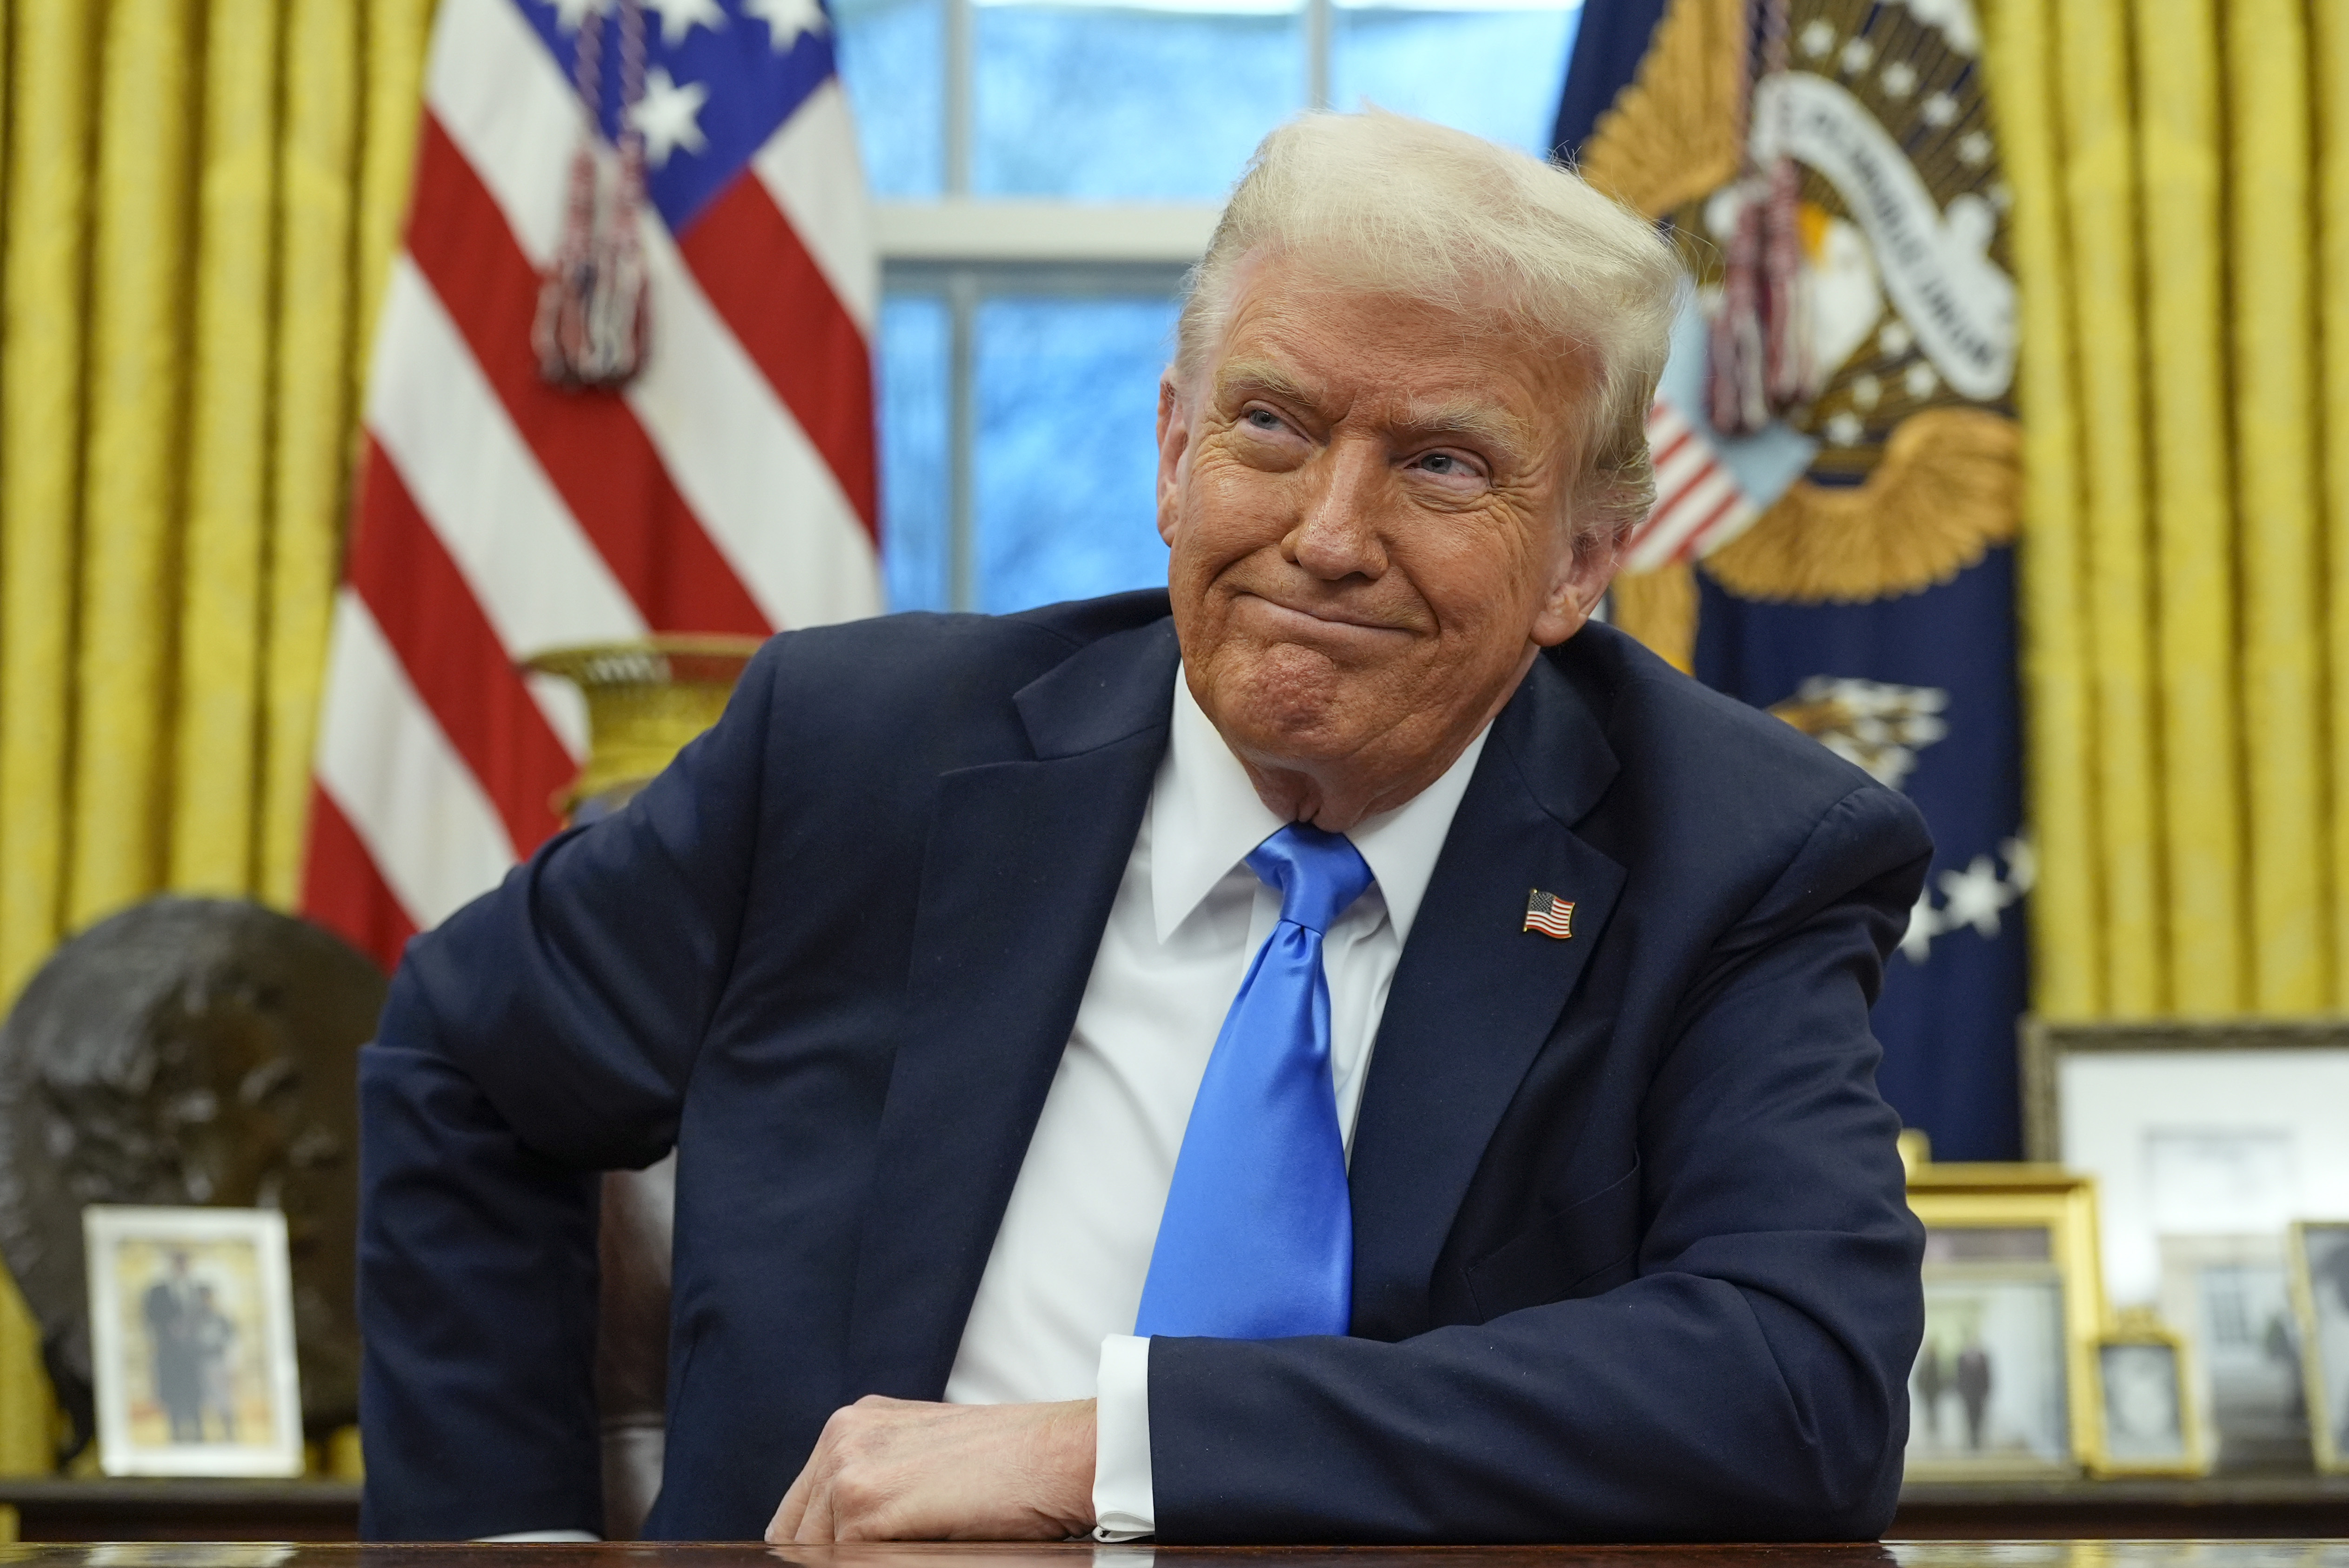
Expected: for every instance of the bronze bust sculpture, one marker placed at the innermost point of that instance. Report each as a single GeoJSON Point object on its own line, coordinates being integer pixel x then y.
{"type": "Point", "coordinates": [189, 1050]}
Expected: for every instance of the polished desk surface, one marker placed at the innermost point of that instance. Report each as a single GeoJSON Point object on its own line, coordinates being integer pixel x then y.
{"type": "Point", "coordinates": [648, 1554]}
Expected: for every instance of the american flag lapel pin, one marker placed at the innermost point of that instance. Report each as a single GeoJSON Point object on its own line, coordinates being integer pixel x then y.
{"type": "Point", "coordinates": [1549, 915]}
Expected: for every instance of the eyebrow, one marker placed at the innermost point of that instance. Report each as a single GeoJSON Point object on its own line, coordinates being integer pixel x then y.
{"type": "Point", "coordinates": [1477, 422]}
{"type": "Point", "coordinates": [1260, 375]}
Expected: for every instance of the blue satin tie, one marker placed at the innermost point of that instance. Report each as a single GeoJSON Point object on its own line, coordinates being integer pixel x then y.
{"type": "Point", "coordinates": [1257, 1239]}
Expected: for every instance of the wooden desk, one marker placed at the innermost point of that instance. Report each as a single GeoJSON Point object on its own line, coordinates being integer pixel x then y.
{"type": "Point", "coordinates": [2224, 1506]}
{"type": "Point", "coordinates": [1910, 1555]}
{"type": "Point", "coordinates": [50, 1509]}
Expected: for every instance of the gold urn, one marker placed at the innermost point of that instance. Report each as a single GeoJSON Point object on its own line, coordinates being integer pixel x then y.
{"type": "Point", "coordinates": [645, 700]}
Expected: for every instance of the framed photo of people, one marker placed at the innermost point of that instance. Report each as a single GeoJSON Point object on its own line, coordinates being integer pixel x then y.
{"type": "Point", "coordinates": [2230, 1296]}
{"type": "Point", "coordinates": [2320, 1288]}
{"type": "Point", "coordinates": [2147, 1393]}
{"type": "Point", "coordinates": [2005, 1383]}
{"type": "Point", "coordinates": [191, 1342]}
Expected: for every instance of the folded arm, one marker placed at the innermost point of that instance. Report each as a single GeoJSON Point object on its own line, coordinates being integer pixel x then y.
{"type": "Point", "coordinates": [1749, 1384]}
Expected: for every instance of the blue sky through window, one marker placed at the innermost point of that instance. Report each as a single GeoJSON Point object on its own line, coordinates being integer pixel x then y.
{"type": "Point", "coordinates": [1128, 105]}
{"type": "Point", "coordinates": [1068, 450]}
{"type": "Point", "coordinates": [916, 552]}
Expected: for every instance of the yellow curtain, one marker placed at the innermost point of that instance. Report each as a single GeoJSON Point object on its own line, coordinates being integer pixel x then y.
{"type": "Point", "coordinates": [2181, 233]}
{"type": "Point", "coordinates": [201, 201]}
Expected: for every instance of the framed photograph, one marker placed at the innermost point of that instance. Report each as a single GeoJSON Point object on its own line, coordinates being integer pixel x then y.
{"type": "Point", "coordinates": [2232, 1298]}
{"type": "Point", "coordinates": [2319, 1265]}
{"type": "Point", "coordinates": [191, 1342]}
{"type": "Point", "coordinates": [2006, 1382]}
{"type": "Point", "coordinates": [2145, 1401]}
{"type": "Point", "coordinates": [2190, 1130]}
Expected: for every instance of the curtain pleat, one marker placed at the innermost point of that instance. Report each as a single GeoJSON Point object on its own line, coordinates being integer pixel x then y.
{"type": "Point", "coordinates": [2181, 238]}
{"type": "Point", "coordinates": [2179, 165]}
{"type": "Point", "coordinates": [42, 337]}
{"type": "Point", "coordinates": [2099, 188]}
{"type": "Point", "coordinates": [2329, 80]}
{"type": "Point", "coordinates": [2274, 321]}
{"type": "Point", "coordinates": [311, 460]}
{"type": "Point", "coordinates": [2067, 934]}
{"type": "Point", "coordinates": [226, 564]}
{"type": "Point", "coordinates": [202, 199]}
{"type": "Point", "coordinates": [131, 468]}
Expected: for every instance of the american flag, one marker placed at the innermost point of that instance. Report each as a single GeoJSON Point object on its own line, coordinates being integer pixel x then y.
{"type": "Point", "coordinates": [730, 487]}
{"type": "Point", "coordinates": [1699, 505]}
{"type": "Point", "coordinates": [1548, 914]}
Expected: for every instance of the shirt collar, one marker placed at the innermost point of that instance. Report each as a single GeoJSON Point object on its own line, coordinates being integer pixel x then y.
{"type": "Point", "coordinates": [1205, 817]}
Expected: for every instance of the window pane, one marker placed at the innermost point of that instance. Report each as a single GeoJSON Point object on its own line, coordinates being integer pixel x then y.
{"type": "Point", "coordinates": [1129, 104]}
{"type": "Point", "coordinates": [1068, 408]}
{"type": "Point", "coordinates": [893, 58]}
{"type": "Point", "coordinates": [1492, 71]}
{"type": "Point", "coordinates": [915, 342]}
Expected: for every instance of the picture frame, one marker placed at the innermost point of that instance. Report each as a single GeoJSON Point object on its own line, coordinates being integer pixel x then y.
{"type": "Point", "coordinates": [191, 1342]}
{"type": "Point", "coordinates": [2191, 1128]}
{"type": "Point", "coordinates": [2231, 1298]}
{"type": "Point", "coordinates": [2005, 1385]}
{"type": "Point", "coordinates": [2318, 1268]}
{"type": "Point", "coordinates": [2149, 1422]}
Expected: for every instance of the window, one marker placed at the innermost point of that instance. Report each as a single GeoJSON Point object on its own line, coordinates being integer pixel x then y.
{"type": "Point", "coordinates": [1045, 172]}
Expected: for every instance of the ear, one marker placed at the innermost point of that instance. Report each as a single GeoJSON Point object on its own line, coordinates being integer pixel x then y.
{"type": "Point", "coordinates": [1174, 444]}
{"type": "Point", "coordinates": [1575, 590]}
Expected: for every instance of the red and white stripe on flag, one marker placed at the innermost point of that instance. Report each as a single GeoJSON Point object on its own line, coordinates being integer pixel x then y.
{"type": "Point", "coordinates": [730, 488]}
{"type": "Point", "coordinates": [1699, 503]}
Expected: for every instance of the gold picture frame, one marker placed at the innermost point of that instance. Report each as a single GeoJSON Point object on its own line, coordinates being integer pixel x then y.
{"type": "Point", "coordinates": [2318, 1271]}
{"type": "Point", "coordinates": [191, 1342]}
{"type": "Point", "coordinates": [2005, 1386]}
{"type": "Point", "coordinates": [2147, 1419]}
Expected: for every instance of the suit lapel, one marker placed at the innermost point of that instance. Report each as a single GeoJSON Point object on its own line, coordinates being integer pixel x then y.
{"type": "Point", "coordinates": [1476, 995]}
{"type": "Point", "coordinates": [1023, 863]}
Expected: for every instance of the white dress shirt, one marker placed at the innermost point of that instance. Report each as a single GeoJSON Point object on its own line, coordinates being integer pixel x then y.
{"type": "Point", "coordinates": [1054, 1316]}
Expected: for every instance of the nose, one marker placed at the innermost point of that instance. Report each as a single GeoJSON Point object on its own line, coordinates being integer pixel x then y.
{"type": "Point", "coordinates": [1336, 535]}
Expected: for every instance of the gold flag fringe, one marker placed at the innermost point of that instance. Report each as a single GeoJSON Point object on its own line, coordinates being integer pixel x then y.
{"type": "Point", "coordinates": [1948, 487]}
{"type": "Point", "coordinates": [1672, 136]}
{"type": "Point", "coordinates": [1659, 608]}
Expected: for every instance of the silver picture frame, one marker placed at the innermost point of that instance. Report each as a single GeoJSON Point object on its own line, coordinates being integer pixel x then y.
{"type": "Point", "coordinates": [2191, 1128]}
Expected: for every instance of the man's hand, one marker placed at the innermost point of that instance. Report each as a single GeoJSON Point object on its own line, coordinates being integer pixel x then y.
{"type": "Point", "coordinates": [904, 1469]}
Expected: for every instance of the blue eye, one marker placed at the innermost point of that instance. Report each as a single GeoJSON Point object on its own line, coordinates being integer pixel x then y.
{"type": "Point", "coordinates": [1439, 463]}
{"type": "Point", "coordinates": [1264, 418]}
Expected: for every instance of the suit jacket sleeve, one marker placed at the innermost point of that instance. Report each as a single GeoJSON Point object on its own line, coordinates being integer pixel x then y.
{"type": "Point", "coordinates": [539, 1035]}
{"type": "Point", "coordinates": [1750, 1383]}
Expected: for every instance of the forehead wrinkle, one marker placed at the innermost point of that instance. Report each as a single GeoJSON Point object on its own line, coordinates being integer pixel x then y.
{"type": "Point", "coordinates": [1475, 419]}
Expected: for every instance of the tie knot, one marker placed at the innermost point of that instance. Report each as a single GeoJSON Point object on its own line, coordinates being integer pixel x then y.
{"type": "Point", "coordinates": [1319, 874]}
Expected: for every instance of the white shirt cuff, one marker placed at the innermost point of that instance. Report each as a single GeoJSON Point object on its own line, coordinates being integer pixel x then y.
{"type": "Point", "coordinates": [1123, 1506]}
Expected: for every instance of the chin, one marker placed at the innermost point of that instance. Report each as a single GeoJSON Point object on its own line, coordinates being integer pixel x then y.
{"type": "Point", "coordinates": [1286, 701]}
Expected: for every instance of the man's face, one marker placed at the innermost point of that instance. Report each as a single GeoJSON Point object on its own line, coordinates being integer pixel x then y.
{"type": "Point", "coordinates": [1364, 496]}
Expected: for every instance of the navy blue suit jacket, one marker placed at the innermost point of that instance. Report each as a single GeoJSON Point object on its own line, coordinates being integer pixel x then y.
{"type": "Point", "coordinates": [1632, 1256]}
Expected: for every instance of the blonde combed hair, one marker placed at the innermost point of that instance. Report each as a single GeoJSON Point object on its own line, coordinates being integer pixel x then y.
{"type": "Point", "coordinates": [1395, 205]}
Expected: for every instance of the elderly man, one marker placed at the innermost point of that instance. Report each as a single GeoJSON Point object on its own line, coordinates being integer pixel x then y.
{"type": "Point", "coordinates": [1364, 1056]}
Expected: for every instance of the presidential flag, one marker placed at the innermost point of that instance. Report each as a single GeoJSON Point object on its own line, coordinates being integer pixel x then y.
{"type": "Point", "coordinates": [621, 386]}
{"type": "Point", "coordinates": [1837, 459]}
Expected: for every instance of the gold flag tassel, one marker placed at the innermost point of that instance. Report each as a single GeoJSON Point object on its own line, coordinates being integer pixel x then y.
{"type": "Point", "coordinates": [592, 329]}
